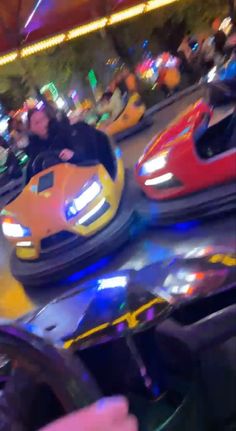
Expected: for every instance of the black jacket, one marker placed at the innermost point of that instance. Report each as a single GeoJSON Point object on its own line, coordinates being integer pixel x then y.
{"type": "Point", "coordinates": [87, 143]}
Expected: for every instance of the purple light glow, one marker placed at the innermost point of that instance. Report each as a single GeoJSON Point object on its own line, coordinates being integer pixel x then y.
{"type": "Point", "coordinates": [33, 13]}
{"type": "Point", "coordinates": [150, 314]}
{"type": "Point", "coordinates": [121, 327]}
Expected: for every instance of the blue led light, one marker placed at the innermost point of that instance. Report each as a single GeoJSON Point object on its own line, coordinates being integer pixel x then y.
{"type": "Point", "coordinates": [118, 152]}
{"type": "Point", "coordinates": [185, 226]}
{"type": "Point", "coordinates": [112, 282]}
{"type": "Point", "coordinates": [89, 270]}
{"type": "Point", "coordinates": [186, 130]}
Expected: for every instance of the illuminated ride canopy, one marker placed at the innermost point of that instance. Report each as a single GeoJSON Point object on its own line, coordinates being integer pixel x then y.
{"type": "Point", "coordinates": [30, 26]}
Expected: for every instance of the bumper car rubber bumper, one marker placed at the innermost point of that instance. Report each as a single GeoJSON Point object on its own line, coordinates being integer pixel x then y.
{"type": "Point", "coordinates": [144, 123]}
{"type": "Point", "coordinates": [58, 266]}
{"type": "Point", "coordinates": [205, 204]}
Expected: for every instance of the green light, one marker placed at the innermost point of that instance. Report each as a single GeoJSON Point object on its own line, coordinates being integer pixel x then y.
{"type": "Point", "coordinates": [103, 118]}
{"type": "Point", "coordinates": [24, 159]}
{"type": "Point", "coordinates": [52, 88]}
{"type": "Point", "coordinates": [92, 79]}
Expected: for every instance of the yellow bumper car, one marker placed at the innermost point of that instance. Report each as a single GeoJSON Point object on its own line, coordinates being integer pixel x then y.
{"type": "Point", "coordinates": [67, 215]}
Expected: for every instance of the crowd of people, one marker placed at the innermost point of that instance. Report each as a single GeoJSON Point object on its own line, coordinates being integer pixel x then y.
{"type": "Point", "coordinates": [200, 54]}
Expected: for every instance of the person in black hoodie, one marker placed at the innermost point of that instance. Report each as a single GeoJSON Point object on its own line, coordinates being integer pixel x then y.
{"type": "Point", "coordinates": [47, 134]}
{"type": "Point", "coordinates": [74, 144]}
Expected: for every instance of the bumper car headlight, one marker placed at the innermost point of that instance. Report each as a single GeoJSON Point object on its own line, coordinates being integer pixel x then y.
{"type": "Point", "coordinates": [159, 180]}
{"type": "Point", "coordinates": [90, 192]}
{"type": "Point", "coordinates": [155, 164]}
{"type": "Point", "coordinates": [12, 229]}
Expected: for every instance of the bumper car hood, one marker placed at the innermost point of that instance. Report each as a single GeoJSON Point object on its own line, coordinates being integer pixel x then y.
{"type": "Point", "coordinates": [106, 308]}
{"type": "Point", "coordinates": [46, 195]}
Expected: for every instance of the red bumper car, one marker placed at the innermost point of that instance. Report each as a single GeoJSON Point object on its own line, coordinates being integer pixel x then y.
{"type": "Point", "coordinates": [189, 170]}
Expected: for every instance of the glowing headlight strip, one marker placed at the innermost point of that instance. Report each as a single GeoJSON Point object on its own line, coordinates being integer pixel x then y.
{"type": "Point", "coordinates": [82, 30]}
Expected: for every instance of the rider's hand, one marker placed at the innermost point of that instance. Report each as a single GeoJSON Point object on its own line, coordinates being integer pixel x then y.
{"type": "Point", "coordinates": [66, 155]}
{"type": "Point", "coordinates": [110, 414]}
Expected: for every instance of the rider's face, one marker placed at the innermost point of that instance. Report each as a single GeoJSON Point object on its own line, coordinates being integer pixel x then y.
{"type": "Point", "coordinates": [39, 124]}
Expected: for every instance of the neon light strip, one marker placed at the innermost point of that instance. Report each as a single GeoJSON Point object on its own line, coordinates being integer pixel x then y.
{"type": "Point", "coordinates": [33, 13]}
{"type": "Point", "coordinates": [126, 14]}
{"type": "Point", "coordinates": [82, 30]}
{"type": "Point", "coordinates": [41, 46]}
{"type": "Point", "coordinates": [87, 28]}
{"type": "Point", "coordinates": [8, 58]}
{"type": "Point", "coordinates": [155, 4]}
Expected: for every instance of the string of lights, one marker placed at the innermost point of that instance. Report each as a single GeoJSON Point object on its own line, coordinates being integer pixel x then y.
{"type": "Point", "coordinates": [82, 30]}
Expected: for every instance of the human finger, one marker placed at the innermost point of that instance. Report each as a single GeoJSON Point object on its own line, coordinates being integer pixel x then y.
{"type": "Point", "coordinates": [114, 408]}
{"type": "Point", "coordinates": [101, 416]}
{"type": "Point", "coordinates": [130, 424]}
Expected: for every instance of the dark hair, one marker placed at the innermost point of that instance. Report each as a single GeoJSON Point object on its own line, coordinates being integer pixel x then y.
{"type": "Point", "coordinates": [31, 112]}
{"type": "Point", "coordinates": [106, 96]}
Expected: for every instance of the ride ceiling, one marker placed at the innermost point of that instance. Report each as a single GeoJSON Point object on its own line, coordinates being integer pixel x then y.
{"type": "Point", "coordinates": [24, 22]}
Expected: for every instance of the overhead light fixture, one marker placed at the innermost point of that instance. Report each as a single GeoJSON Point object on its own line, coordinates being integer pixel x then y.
{"type": "Point", "coordinates": [88, 28]}
{"type": "Point", "coordinates": [44, 44]}
{"type": "Point", "coordinates": [155, 4]}
{"type": "Point", "coordinates": [8, 58]}
{"type": "Point", "coordinates": [82, 30]}
{"type": "Point", "coordinates": [126, 14]}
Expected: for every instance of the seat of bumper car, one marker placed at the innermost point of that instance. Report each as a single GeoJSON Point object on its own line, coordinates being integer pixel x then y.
{"type": "Point", "coordinates": [218, 138]}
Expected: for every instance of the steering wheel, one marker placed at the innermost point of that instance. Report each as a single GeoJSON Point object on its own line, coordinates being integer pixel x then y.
{"type": "Point", "coordinates": [44, 160]}
{"type": "Point", "coordinates": [37, 366]}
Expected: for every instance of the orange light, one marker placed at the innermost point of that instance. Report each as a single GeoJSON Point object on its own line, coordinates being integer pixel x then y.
{"type": "Point", "coordinates": [200, 275]}
{"type": "Point", "coordinates": [190, 291]}
{"type": "Point", "coordinates": [7, 219]}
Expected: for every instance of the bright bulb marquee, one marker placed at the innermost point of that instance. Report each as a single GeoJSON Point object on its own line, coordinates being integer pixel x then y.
{"type": "Point", "coordinates": [82, 30]}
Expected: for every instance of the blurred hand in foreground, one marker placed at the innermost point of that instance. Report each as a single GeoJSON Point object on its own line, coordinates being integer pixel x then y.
{"type": "Point", "coordinates": [108, 414]}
